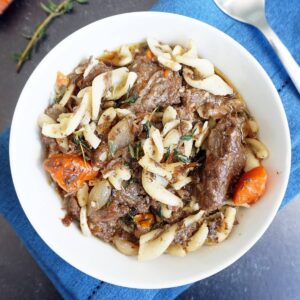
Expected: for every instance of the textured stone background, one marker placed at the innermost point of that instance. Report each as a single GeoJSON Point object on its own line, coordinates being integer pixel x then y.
{"type": "Point", "coordinates": [270, 270]}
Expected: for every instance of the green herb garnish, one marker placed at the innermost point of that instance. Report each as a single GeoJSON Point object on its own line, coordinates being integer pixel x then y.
{"type": "Point", "coordinates": [132, 99]}
{"type": "Point", "coordinates": [147, 127]}
{"type": "Point", "coordinates": [78, 140]}
{"type": "Point", "coordinates": [134, 150]}
{"type": "Point", "coordinates": [187, 137]}
{"type": "Point", "coordinates": [131, 151]}
{"type": "Point", "coordinates": [168, 152]}
{"type": "Point", "coordinates": [138, 148]}
{"type": "Point", "coordinates": [111, 148]}
{"type": "Point", "coordinates": [180, 157]}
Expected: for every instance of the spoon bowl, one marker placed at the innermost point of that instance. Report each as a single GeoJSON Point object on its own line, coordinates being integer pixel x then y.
{"type": "Point", "coordinates": [253, 12]}
{"type": "Point", "coordinates": [250, 11]}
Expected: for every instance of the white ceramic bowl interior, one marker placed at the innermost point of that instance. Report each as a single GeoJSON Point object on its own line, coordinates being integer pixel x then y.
{"type": "Point", "coordinates": [43, 206]}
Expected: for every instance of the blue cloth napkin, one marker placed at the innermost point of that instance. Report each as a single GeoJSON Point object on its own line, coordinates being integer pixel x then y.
{"type": "Point", "coordinates": [73, 284]}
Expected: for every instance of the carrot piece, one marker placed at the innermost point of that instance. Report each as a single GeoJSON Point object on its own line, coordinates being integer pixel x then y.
{"type": "Point", "coordinates": [251, 186]}
{"type": "Point", "coordinates": [167, 72]}
{"type": "Point", "coordinates": [149, 54]}
{"type": "Point", "coordinates": [4, 4]}
{"type": "Point", "coordinates": [144, 221]}
{"type": "Point", "coordinates": [61, 79]}
{"type": "Point", "coordinates": [69, 171]}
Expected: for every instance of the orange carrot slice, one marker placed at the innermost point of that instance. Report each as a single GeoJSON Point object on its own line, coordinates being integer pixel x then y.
{"type": "Point", "coordinates": [69, 171]}
{"type": "Point", "coordinates": [251, 186]}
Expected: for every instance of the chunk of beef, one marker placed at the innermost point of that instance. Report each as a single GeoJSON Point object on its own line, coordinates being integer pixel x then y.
{"type": "Point", "coordinates": [51, 145]}
{"type": "Point", "coordinates": [104, 222]}
{"type": "Point", "coordinates": [98, 69]}
{"type": "Point", "coordinates": [135, 197]}
{"type": "Point", "coordinates": [160, 91]}
{"type": "Point", "coordinates": [177, 215]}
{"type": "Point", "coordinates": [210, 105]}
{"type": "Point", "coordinates": [55, 110]}
{"type": "Point", "coordinates": [225, 159]}
{"type": "Point", "coordinates": [183, 233]}
{"type": "Point", "coordinates": [144, 68]}
{"type": "Point", "coordinates": [103, 230]}
{"type": "Point", "coordinates": [73, 208]}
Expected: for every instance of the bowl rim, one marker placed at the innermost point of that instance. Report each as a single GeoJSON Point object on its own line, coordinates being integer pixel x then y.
{"type": "Point", "coordinates": [195, 277]}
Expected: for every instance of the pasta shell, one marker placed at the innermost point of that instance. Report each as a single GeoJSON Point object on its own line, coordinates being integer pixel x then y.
{"type": "Point", "coordinates": [119, 176]}
{"type": "Point", "coordinates": [150, 235]}
{"type": "Point", "coordinates": [45, 119]}
{"type": "Point", "coordinates": [181, 183]}
{"type": "Point", "coordinates": [167, 61]}
{"type": "Point", "coordinates": [203, 66]}
{"type": "Point", "coordinates": [90, 136]}
{"type": "Point", "coordinates": [176, 250]}
{"type": "Point", "coordinates": [169, 114]}
{"type": "Point", "coordinates": [68, 122]}
{"type": "Point", "coordinates": [251, 161]}
{"type": "Point", "coordinates": [154, 248]}
{"type": "Point", "coordinates": [91, 64]}
{"type": "Point", "coordinates": [226, 227]}
{"type": "Point", "coordinates": [165, 211]}
{"type": "Point", "coordinates": [213, 84]}
{"type": "Point", "coordinates": [172, 138]}
{"type": "Point", "coordinates": [198, 238]}
{"type": "Point", "coordinates": [154, 167]}
{"type": "Point", "coordinates": [193, 218]}
{"type": "Point", "coordinates": [125, 56]}
{"type": "Point", "coordinates": [83, 222]}
{"type": "Point", "coordinates": [99, 86]}
{"type": "Point", "coordinates": [259, 149]}
{"type": "Point", "coordinates": [81, 93]}
{"type": "Point", "coordinates": [83, 195]}
{"type": "Point", "coordinates": [67, 95]}
{"type": "Point", "coordinates": [119, 87]}
{"type": "Point", "coordinates": [122, 112]}
{"type": "Point", "coordinates": [107, 116]}
{"type": "Point", "coordinates": [169, 126]}
{"type": "Point", "coordinates": [157, 48]}
{"type": "Point", "coordinates": [157, 191]}
{"type": "Point", "coordinates": [125, 247]}
{"type": "Point", "coordinates": [159, 147]}
{"type": "Point", "coordinates": [200, 135]}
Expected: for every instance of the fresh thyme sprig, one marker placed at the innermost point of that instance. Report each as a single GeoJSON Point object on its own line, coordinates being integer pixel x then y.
{"type": "Point", "coordinates": [180, 157]}
{"type": "Point", "coordinates": [132, 99]}
{"type": "Point", "coordinates": [78, 140]}
{"type": "Point", "coordinates": [147, 126]}
{"type": "Point", "coordinates": [135, 150]}
{"type": "Point", "coordinates": [111, 148]}
{"type": "Point", "coordinates": [53, 10]}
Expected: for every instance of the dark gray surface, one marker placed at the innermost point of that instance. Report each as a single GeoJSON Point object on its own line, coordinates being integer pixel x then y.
{"type": "Point", "coordinates": [270, 270]}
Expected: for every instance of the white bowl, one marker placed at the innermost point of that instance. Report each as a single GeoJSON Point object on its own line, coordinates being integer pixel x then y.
{"type": "Point", "coordinates": [43, 206]}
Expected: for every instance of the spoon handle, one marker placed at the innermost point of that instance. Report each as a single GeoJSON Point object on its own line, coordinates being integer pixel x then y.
{"type": "Point", "coordinates": [283, 53]}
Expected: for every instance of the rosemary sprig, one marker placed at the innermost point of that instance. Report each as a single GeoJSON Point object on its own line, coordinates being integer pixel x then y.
{"type": "Point", "coordinates": [53, 10]}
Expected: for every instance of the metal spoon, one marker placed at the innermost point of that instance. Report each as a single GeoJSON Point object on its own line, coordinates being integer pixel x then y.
{"type": "Point", "coordinates": [253, 12]}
